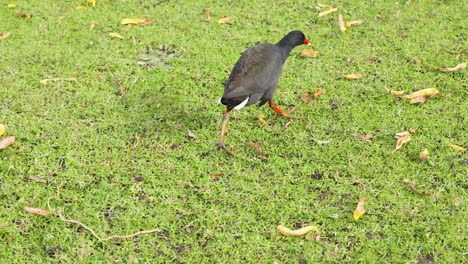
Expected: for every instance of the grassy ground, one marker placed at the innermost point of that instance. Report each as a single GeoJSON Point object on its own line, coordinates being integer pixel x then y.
{"type": "Point", "coordinates": [81, 136]}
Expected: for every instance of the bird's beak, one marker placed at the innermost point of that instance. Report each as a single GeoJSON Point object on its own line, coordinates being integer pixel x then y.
{"type": "Point", "coordinates": [307, 42]}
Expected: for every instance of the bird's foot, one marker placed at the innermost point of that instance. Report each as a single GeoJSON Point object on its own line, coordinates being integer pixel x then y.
{"type": "Point", "coordinates": [220, 144]}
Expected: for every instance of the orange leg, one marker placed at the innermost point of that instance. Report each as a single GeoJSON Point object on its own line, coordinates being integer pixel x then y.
{"type": "Point", "coordinates": [282, 112]}
{"type": "Point", "coordinates": [220, 143]}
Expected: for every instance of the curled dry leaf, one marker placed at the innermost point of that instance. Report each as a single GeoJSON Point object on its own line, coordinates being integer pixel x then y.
{"type": "Point", "coordinates": [318, 92]}
{"type": "Point", "coordinates": [92, 25]}
{"type": "Point", "coordinates": [396, 93]}
{"type": "Point", "coordinates": [354, 76]}
{"type": "Point", "coordinates": [305, 97]}
{"type": "Point", "coordinates": [353, 23]}
{"type": "Point", "coordinates": [136, 21]}
{"type": "Point", "coordinates": [24, 15]}
{"type": "Point", "coordinates": [6, 142]}
{"type": "Point", "coordinates": [36, 211]}
{"type": "Point", "coordinates": [261, 119]}
{"type": "Point", "coordinates": [403, 137]}
{"type": "Point", "coordinates": [429, 92]}
{"type": "Point", "coordinates": [207, 15]}
{"type": "Point", "coordinates": [327, 12]}
{"type": "Point", "coordinates": [460, 66]}
{"type": "Point", "coordinates": [115, 35]}
{"type": "Point", "coordinates": [457, 148]}
{"type": "Point", "coordinates": [360, 210]}
{"type": "Point", "coordinates": [309, 53]}
{"type": "Point", "coordinates": [341, 23]}
{"type": "Point", "coordinates": [299, 232]}
{"type": "Point", "coordinates": [424, 154]}
{"type": "Point", "coordinates": [225, 20]}
{"type": "Point", "coordinates": [257, 148]}
{"type": "Point", "coordinates": [2, 129]}
{"type": "Point", "coordinates": [4, 35]}
{"type": "Point", "coordinates": [367, 137]}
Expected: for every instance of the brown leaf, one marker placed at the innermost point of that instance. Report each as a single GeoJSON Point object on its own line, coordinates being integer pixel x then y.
{"type": "Point", "coordinates": [257, 148]}
{"type": "Point", "coordinates": [215, 175]}
{"type": "Point", "coordinates": [355, 76]}
{"type": "Point", "coordinates": [403, 137]}
{"type": "Point", "coordinates": [353, 23]}
{"type": "Point", "coordinates": [327, 12]}
{"type": "Point", "coordinates": [341, 23]}
{"type": "Point", "coordinates": [367, 137]}
{"type": "Point", "coordinates": [309, 53]}
{"type": "Point", "coordinates": [318, 92]}
{"type": "Point", "coordinates": [36, 211]}
{"type": "Point", "coordinates": [299, 232]}
{"type": "Point", "coordinates": [207, 15]}
{"type": "Point", "coordinates": [91, 26]}
{"type": "Point", "coordinates": [24, 15]}
{"type": "Point", "coordinates": [460, 66]}
{"type": "Point", "coordinates": [360, 210]}
{"type": "Point", "coordinates": [4, 35]}
{"type": "Point", "coordinates": [6, 142]}
{"type": "Point", "coordinates": [305, 97]}
{"type": "Point", "coordinates": [225, 20]}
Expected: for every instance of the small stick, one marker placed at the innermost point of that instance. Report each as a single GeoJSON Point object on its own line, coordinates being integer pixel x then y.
{"type": "Point", "coordinates": [121, 88]}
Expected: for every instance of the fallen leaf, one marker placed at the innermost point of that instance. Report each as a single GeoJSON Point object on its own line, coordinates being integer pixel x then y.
{"type": "Point", "coordinates": [418, 100]}
{"type": "Point", "coordinates": [457, 148]}
{"type": "Point", "coordinates": [11, 5]}
{"type": "Point", "coordinates": [403, 137]}
{"type": "Point", "coordinates": [353, 23]}
{"type": "Point", "coordinates": [215, 175]}
{"type": "Point", "coordinates": [309, 53]}
{"type": "Point", "coordinates": [136, 21]}
{"type": "Point", "coordinates": [47, 81]}
{"type": "Point", "coordinates": [2, 129]}
{"type": "Point", "coordinates": [412, 130]}
{"type": "Point", "coordinates": [82, 6]}
{"type": "Point", "coordinates": [225, 20]}
{"type": "Point", "coordinates": [24, 15]}
{"type": "Point", "coordinates": [367, 137]}
{"type": "Point", "coordinates": [261, 119]}
{"type": "Point", "coordinates": [318, 92]}
{"type": "Point", "coordinates": [6, 142]}
{"type": "Point", "coordinates": [36, 211]}
{"type": "Point", "coordinates": [327, 12]}
{"type": "Point", "coordinates": [92, 2]}
{"type": "Point", "coordinates": [37, 179]}
{"type": "Point", "coordinates": [341, 23]}
{"type": "Point", "coordinates": [360, 210]}
{"type": "Point", "coordinates": [115, 35]}
{"type": "Point", "coordinates": [257, 148]}
{"type": "Point", "coordinates": [299, 232]}
{"type": "Point", "coordinates": [324, 5]}
{"type": "Point", "coordinates": [190, 134]}
{"type": "Point", "coordinates": [460, 66]}
{"type": "Point", "coordinates": [305, 97]}
{"type": "Point", "coordinates": [354, 76]}
{"type": "Point", "coordinates": [429, 92]}
{"type": "Point", "coordinates": [392, 92]}
{"type": "Point", "coordinates": [207, 15]}
{"type": "Point", "coordinates": [4, 35]}
{"type": "Point", "coordinates": [424, 154]}
{"type": "Point", "coordinates": [92, 25]}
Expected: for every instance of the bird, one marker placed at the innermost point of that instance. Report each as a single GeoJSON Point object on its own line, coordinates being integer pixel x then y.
{"type": "Point", "coordinates": [255, 76]}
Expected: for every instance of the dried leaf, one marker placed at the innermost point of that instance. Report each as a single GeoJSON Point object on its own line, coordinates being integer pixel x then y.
{"type": "Point", "coordinates": [318, 92]}
{"type": "Point", "coordinates": [82, 6]}
{"type": "Point", "coordinates": [6, 142]}
{"type": "Point", "coordinates": [2, 129]}
{"type": "Point", "coordinates": [457, 148]}
{"type": "Point", "coordinates": [215, 175]}
{"type": "Point", "coordinates": [341, 23]}
{"type": "Point", "coordinates": [207, 15]}
{"type": "Point", "coordinates": [353, 23]}
{"type": "Point", "coordinates": [191, 135]}
{"type": "Point", "coordinates": [418, 100]}
{"type": "Point", "coordinates": [305, 97]}
{"type": "Point", "coordinates": [424, 154]}
{"type": "Point", "coordinates": [11, 6]}
{"type": "Point", "coordinates": [309, 53]}
{"type": "Point", "coordinates": [396, 93]}
{"type": "Point", "coordinates": [367, 137]}
{"type": "Point", "coordinates": [136, 21]}
{"type": "Point", "coordinates": [324, 5]}
{"type": "Point", "coordinates": [460, 66]}
{"type": "Point", "coordinates": [429, 92]}
{"type": "Point", "coordinates": [327, 12]}
{"type": "Point", "coordinates": [4, 35]}
{"type": "Point", "coordinates": [24, 15]}
{"type": "Point", "coordinates": [36, 211]}
{"type": "Point", "coordinates": [261, 119]}
{"type": "Point", "coordinates": [92, 2]}
{"type": "Point", "coordinates": [412, 130]}
{"type": "Point", "coordinates": [225, 20]}
{"type": "Point", "coordinates": [299, 232]}
{"type": "Point", "coordinates": [257, 148]}
{"type": "Point", "coordinates": [115, 35]}
{"type": "Point", "coordinates": [92, 25]}
{"type": "Point", "coordinates": [37, 179]}
{"type": "Point", "coordinates": [403, 137]}
{"type": "Point", "coordinates": [360, 210]}
{"type": "Point", "coordinates": [354, 76]}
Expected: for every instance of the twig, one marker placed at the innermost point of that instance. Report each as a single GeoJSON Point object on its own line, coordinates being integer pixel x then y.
{"type": "Point", "coordinates": [121, 88]}
{"type": "Point", "coordinates": [160, 2]}
{"type": "Point", "coordinates": [411, 186]}
{"type": "Point", "coordinates": [92, 231]}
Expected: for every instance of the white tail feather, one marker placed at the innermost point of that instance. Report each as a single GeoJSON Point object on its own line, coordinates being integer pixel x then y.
{"type": "Point", "coordinates": [241, 105]}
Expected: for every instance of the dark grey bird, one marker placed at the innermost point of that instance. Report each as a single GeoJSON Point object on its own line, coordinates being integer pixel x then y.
{"type": "Point", "coordinates": [255, 76]}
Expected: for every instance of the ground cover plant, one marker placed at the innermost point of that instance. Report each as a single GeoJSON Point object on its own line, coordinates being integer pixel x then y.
{"type": "Point", "coordinates": [114, 126]}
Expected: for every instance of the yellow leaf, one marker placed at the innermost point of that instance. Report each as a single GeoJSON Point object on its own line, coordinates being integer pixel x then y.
{"type": "Point", "coordinates": [92, 25]}
{"type": "Point", "coordinates": [81, 7]}
{"type": "Point", "coordinates": [11, 5]}
{"type": "Point", "coordinates": [396, 93]}
{"type": "Point", "coordinates": [299, 232]}
{"type": "Point", "coordinates": [424, 154]}
{"type": "Point", "coordinates": [4, 35]}
{"type": "Point", "coordinates": [2, 129]}
{"type": "Point", "coordinates": [36, 211]}
{"type": "Point", "coordinates": [327, 12]}
{"type": "Point", "coordinates": [418, 100]}
{"type": "Point", "coordinates": [261, 119]}
{"type": "Point", "coordinates": [92, 2]}
{"type": "Point", "coordinates": [457, 148]}
{"type": "Point", "coordinates": [460, 66]}
{"type": "Point", "coordinates": [225, 20]}
{"type": "Point", "coordinates": [354, 76]}
{"type": "Point", "coordinates": [353, 23]}
{"type": "Point", "coordinates": [309, 53]}
{"type": "Point", "coordinates": [136, 21]}
{"type": "Point", "coordinates": [6, 142]}
{"type": "Point", "coordinates": [341, 23]}
{"type": "Point", "coordinates": [429, 92]}
{"type": "Point", "coordinates": [115, 35]}
{"type": "Point", "coordinates": [360, 210]}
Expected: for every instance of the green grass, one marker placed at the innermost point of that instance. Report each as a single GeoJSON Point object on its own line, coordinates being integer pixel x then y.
{"type": "Point", "coordinates": [81, 135]}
